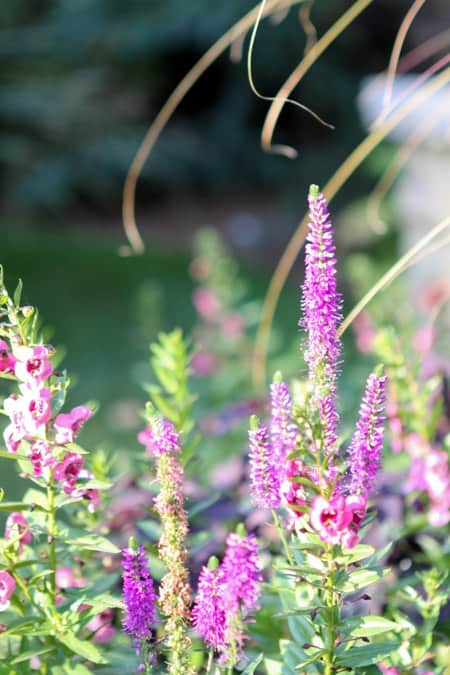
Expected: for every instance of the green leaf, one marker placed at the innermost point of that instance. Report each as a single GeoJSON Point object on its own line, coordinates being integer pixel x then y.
{"type": "Point", "coordinates": [301, 628]}
{"type": "Point", "coordinates": [202, 505]}
{"type": "Point", "coordinates": [18, 293]}
{"type": "Point", "coordinates": [355, 554]}
{"type": "Point", "coordinates": [102, 602]}
{"type": "Point", "coordinates": [26, 656]}
{"type": "Point", "coordinates": [366, 626]}
{"type": "Point", "coordinates": [68, 668]}
{"type": "Point", "coordinates": [35, 498]}
{"type": "Point", "coordinates": [359, 579]}
{"type": "Point", "coordinates": [253, 665]}
{"type": "Point", "coordinates": [312, 659]}
{"type": "Point", "coordinates": [82, 648]}
{"type": "Point", "coordinates": [12, 455]}
{"type": "Point", "coordinates": [273, 667]}
{"type": "Point", "coordinates": [356, 657]}
{"type": "Point", "coordinates": [93, 542]}
{"type": "Point", "coordinates": [16, 506]}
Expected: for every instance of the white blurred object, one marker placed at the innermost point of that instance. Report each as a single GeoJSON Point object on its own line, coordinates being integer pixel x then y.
{"type": "Point", "coordinates": [421, 193]}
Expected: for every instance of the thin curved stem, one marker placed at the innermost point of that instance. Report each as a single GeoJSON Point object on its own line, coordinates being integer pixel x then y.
{"type": "Point", "coordinates": [393, 272]}
{"type": "Point", "coordinates": [294, 78]}
{"type": "Point", "coordinates": [169, 107]}
{"type": "Point", "coordinates": [395, 53]}
{"type": "Point", "coordinates": [339, 178]}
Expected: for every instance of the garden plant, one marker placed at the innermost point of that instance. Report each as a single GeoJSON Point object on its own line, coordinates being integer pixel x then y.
{"type": "Point", "coordinates": [328, 549]}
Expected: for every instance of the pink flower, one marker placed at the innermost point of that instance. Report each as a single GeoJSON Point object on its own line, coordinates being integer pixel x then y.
{"type": "Point", "coordinates": [17, 526]}
{"type": "Point", "coordinates": [101, 626]}
{"type": "Point", "coordinates": [424, 338]}
{"type": "Point", "coordinates": [233, 325]}
{"type": "Point", "coordinates": [68, 471]}
{"type": "Point", "coordinates": [7, 586]}
{"type": "Point", "coordinates": [36, 409]}
{"type": "Point", "coordinates": [337, 520]}
{"type": "Point", "coordinates": [67, 425]}
{"type": "Point", "coordinates": [204, 363]}
{"type": "Point", "coordinates": [12, 437]}
{"type": "Point", "coordinates": [206, 303]}
{"type": "Point", "coordinates": [388, 670]}
{"type": "Point", "coordinates": [32, 364]}
{"type": "Point", "coordinates": [7, 360]}
{"type": "Point", "coordinates": [40, 456]}
{"type": "Point", "coordinates": [65, 578]}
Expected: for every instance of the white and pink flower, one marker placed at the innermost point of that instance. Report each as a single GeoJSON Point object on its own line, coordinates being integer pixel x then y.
{"type": "Point", "coordinates": [7, 588]}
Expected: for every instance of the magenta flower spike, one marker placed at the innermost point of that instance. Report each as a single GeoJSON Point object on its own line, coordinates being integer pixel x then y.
{"type": "Point", "coordinates": [208, 613]}
{"type": "Point", "coordinates": [321, 305]}
{"type": "Point", "coordinates": [138, 594]}
{"type": "Point", "coordinates": [283, 431]}
{"type": "Point", "coordinates": [241, 573]}
{"type": "Point", "coordinates": [265, 480]}
{"type": "Point", "coordinates": [367, 442]}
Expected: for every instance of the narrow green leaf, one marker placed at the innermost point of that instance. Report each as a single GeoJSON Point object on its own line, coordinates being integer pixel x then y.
{"type": "Point", "coordinates": [253, 665]}
{"type": "Point", "coordinates": [312, 659]}
{"type": "Point", "coordinates": [26, 656]}
{"type": "Point", "coordinates": [94, 543]}
{"type": "Point", "coordinates": [359, 579]}
{"type": "Point", "coordinates": [356, 657]}
{"type": "Point", "coordinates": [16, 506]}
{"type": "Point", "coordinates": [81, 648]}
{"type": "Point", "coordinates": [18, 293]}
{"type": "Point", "coordinates": [366, 626]}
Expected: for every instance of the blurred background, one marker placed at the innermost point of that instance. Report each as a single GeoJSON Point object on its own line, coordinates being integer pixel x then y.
{"type": "Point", "coordinates": [80, 83]}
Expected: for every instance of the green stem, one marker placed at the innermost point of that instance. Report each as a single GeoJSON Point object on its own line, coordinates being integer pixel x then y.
{"type": "Point", "coordinates": [52, 532]}
{"type": "Point", "coordinates": [210, 661]}
{"type": "Point", "coordinates": [283, 539]}
{"type": "Point", "coordinates": [331, 604]}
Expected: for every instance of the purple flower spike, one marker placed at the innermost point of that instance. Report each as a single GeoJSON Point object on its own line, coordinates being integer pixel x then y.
{"type": "Point", "coordinates": [367, 442]}
{"type": "Point", "coordinates": [321, 305]}
{"type": "Point", "coordinates": [282, 430]}
{"type": "Point", "coordinates": [208, 614]}
{"type": "Point", "coordinates": [138, 594]}
{"type": "Point", "coordinates": [241, 573]}
{"type": "Point", "coordinates": [264, 472]}
{"type": "Point", "coordinates": [160, 437]}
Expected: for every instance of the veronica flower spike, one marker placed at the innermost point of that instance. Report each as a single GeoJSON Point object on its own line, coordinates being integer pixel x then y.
{"type": "Point", "coordinates": [367, 443]}
{"type": "Point", "coordinates": [322, 314]}
{"type": "Point", "coordinates": [139, 597]}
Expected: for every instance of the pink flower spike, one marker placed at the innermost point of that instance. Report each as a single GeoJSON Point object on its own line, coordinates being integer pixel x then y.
{"type": "Point", "coordinates": [7, 587]}
{"type": "Point", "coordinates": [32, 364]}
{"type": "Point", "coordinates": [67, 425]}
{"type": "Point", "coordinates": [17, 526]}
{"type": "Point", "coordinates": [160, 437]}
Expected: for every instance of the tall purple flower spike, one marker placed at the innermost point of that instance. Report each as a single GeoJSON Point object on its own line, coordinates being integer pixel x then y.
{"type": "Point", "coordinates": [208, 613]}
{"type": "Point", "coordinates": [264, 471]}
{"type": "Point", "coordinates": [138, 594]}
{"type": "Point", "coordinates": [322, 313]}
{"type": "Point", "coordinates": [367, 443]}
